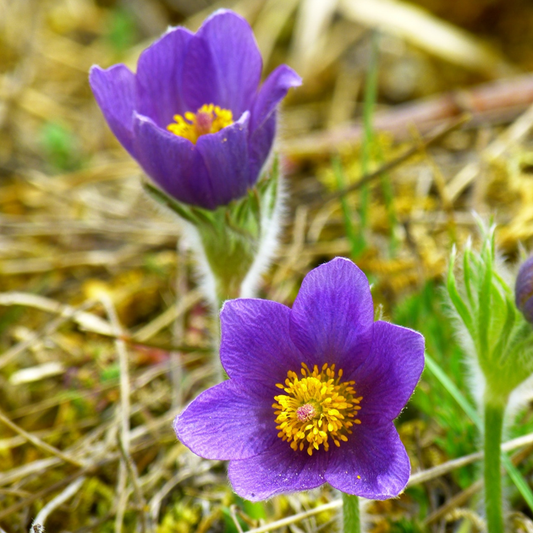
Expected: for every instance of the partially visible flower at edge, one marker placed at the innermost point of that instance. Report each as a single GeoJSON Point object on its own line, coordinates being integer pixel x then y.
{"type": "Point", "coordinates": [194, 116]}
{"type": "Point", "coordinates": [524, 289]}
{"type": "Point", "coordinates": [312, 394]}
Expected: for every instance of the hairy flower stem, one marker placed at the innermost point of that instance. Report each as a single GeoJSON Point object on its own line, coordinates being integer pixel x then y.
{"type": "Point", "coordinates": [494, 413]}
{"type": "Point", "coordinates": [352, 518]}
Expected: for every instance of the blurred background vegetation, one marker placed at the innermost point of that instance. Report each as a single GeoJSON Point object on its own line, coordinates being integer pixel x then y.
{"type": "Point", "coordinates": [422, 109]}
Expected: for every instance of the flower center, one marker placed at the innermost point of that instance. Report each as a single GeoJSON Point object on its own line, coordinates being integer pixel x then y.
{"type": "Point", "coordinates": [208, 119]}
{"type": "Point", "coordinates": [317, 406]}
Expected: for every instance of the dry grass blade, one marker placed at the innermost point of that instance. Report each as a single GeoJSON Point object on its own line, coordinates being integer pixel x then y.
{"type": "Point", "coordinates": [273, 17]}
{"type": "Point", "coordinates": [51, 327]}
{"type": "Point", "coordinates": [512, 135]}
{"type": "Point", "coordinates": [38, 442]}
{"type": "Point", "coordinates": [412, 23]}
{"type": "Point", "coordinates": [314, 17]}
{"type": "Point", "coordinates": [65, 495]}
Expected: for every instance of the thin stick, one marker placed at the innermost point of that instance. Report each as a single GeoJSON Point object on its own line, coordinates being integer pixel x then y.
{"type": "Point", "coordinates": [123, 413]}
{"type": "Point", "coordinates": [438, 135]}
{"type": "Point", "coordinates": [40, 519]}
{"type": "Point", "coordinates": [235, 519]}
{"type": "Point", "coordinates": [297, 517]}
{"type": "Point", "coordinates": [157, 499]}
{"type": "Point", "coordinates": [134, 476]}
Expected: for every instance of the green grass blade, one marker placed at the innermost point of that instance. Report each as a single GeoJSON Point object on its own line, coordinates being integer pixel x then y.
{"type": "Point", "coordinates": [456, 394]}
{"type": "Point", "coordinates": [351, 234]}
{"type": "Point", "coordinates": [518, 480]}
{"type": "Point", "coordinates": [371, 85]}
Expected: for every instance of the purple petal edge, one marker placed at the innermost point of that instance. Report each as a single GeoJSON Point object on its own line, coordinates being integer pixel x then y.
{"type": "Point", "coordinates": [341, 332]}
{"type": "Point", "coordinates": [115, 92]}
{"type": "Point", "coordinates": [228, 421]}
{"type": "Point", "coordinates": [256, 343]}
{"type": "Point", "coordinates": [373, 464]}
{"type": "Point", "coordinates": [173, 163]}
{"type": "Point", "coordinates": [273, 90]}
{"type": "Point", "coordinates": [390, 373]}
{"type": "Point", "coordinates": [277, 470]}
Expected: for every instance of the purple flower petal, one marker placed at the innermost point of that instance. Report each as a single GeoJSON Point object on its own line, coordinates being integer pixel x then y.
{"type": "Point", "coordinates": [115, 92]}
{"type": "Point", "coordinates": [256, 343]}
{"type": "Point", "coordinates": [524, 289]}
{"type": "Point", "coordinates": [236, 57]}
{"type": "Point", "coordinates": [263, 121]}
{"type": "Point", "coordinates": [173, 163]}
{"type": "Point", "coordinates": [225, 156]}
{"type": "Point", "coordinates": [261, 141]}
{"type": "Point", "coordinates": [201, 84]}
{"type": "Point", "coordinates": [272, 92]}
{"type": "Point", "coordinates": [275, 471]}
{"type": "Point", "coordinates": [228, 421]}
{"type": "Point", "coordinates": [159, 77]}
{"type": "Point", "coordinates": [372, 464]}
{"type": "Point", "coordinates": [388, 377]}
{"type": "Point", "coordinates": [332, 316]}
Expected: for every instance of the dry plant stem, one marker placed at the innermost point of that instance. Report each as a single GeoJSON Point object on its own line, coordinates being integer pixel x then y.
{"type": "Point", "coordinates": [94, 324]}
{"type": "Point", "coordinates": [235, 519]}
{"type": "Point", "coordinates": [103, 258]}
{"type": "Point", "coordinates": [297, 517]}
{"type": "Point", "coordinates": [461, 498]}
{"type": "Point", "coordinates": [155, 503]}
{"type": "Point", "coordinates": [134, 476]}
{"type": "Point", "coordinates": [454, 502]}
{"type": "Point", "coordinates": [26, 502]}
{"type": "Point", "coordinates": [46, 331]}
{"type": "Point", "coordinates": [497, 148]}
{"type": "Point", "coordinates": [87, 321]}
{"type": "Point", "coordinates": [123, 413]}
{"type": "Point", "coordinates": [40, 519]}
{"type": "Point", "coordinates": [38, 442]}
{"type": "Point", "coordinates": [131, 228]}
{"type": "Point", "coordinates": [110, 458]}
{"type": "Point", "coordinates": [188, 299]}
{"type": "Point", "coordinates": [491, 102]}
{"type": "Point", "coordinates": [471, 520]}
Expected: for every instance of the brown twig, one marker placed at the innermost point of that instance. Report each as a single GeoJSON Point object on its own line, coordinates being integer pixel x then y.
{"type": "Point", "coordinates": [435, 137]}
{"type": "Point", "coordinates": [496, 101]}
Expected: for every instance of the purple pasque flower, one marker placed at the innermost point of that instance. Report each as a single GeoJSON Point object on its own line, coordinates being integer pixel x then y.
{"type": "Point", "coordinates": [312, 394]}
{"type": "Point", "coordinates": [195, 116]}
{"type": "Point", "coordinates": [524, 289]}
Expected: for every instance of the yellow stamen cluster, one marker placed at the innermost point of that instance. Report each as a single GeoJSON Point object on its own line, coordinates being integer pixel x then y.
{"type": "Point", "coordinates": [208, 119]}
{"type": "Point", "coordinates": [316, 407]}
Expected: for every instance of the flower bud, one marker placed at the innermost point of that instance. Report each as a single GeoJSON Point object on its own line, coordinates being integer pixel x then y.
{"type": "Point", "coordinates": [524, 289]}
{"type": "Point", "coordinates": [494, 334]}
